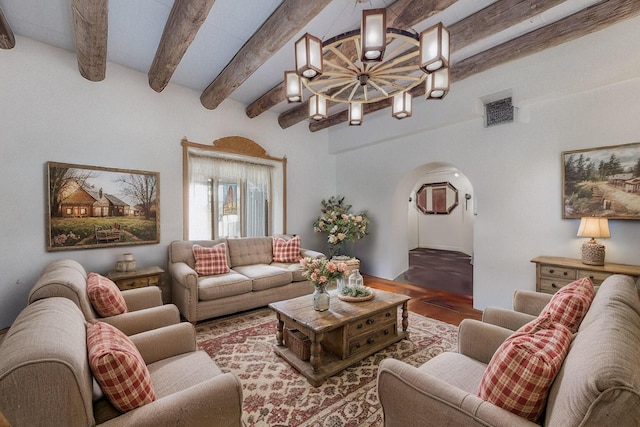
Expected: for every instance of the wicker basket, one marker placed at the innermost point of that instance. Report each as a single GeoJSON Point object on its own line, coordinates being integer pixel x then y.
{"type": "Point", "coordinates": [297, 342]}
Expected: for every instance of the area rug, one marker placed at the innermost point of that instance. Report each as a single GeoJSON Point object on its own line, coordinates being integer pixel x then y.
{"type": "Point", "coordinates": [276, 395]}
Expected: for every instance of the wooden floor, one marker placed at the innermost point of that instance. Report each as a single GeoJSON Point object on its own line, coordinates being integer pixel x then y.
{"type": "Point", "coordinates": [441, 305]}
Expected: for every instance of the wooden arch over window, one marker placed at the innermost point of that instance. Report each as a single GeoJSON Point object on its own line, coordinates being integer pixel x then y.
{"type": "Point", "coordinates": [230, 147]}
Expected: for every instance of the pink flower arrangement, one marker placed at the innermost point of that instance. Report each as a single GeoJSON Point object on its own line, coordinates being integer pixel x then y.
{"type": "Point", "coordinates": [321, 271]}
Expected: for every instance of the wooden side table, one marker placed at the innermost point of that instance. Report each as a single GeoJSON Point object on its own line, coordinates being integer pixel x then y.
{"type": "Point", "coordinates": [552, 273]}
{"type": "Point", "coordinates": [140, 278]}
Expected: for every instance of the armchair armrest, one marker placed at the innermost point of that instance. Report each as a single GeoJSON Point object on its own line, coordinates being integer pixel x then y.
{"type": "Point", "coordinates": [401, 386]}
{"type": "Point", "coordinates": [144, 320]}
{"type": "Point", "coordinates": [166, 342]}
{"type": "Point", "coordinates": [184, 275]}
{"type": "Point", "coordinates": [140, 298]}
{"type": "Point", "coordinates": [216, 401]}
{"type": "Point", "coordinates": [506, 318]}
{"type": "Point", "coordinates": [480, 340]}
{"type": "Point", "coordinates": [530, 302]}
{"type": "Point", "coordinates": [311, 253]}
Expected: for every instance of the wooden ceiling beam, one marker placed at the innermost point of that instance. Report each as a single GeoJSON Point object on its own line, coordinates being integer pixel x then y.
{"type": "Point", "coordinates": [287, 20]}
{"type": "Point", "coordinates": [185, 19]}
{"type": "Point", "coordinates": [90, 23]}
{"type": "Point", "coordinates": [582, 23]}
{"type": "Point", "coordinates": [401, 14]}
{"type": "Point", "coordinates": [7, 39]}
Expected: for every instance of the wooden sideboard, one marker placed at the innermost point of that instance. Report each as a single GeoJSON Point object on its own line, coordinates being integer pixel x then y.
{"type": "Point", "coordinates": [140, 278]}
{"type": "Point", "coordinates": [552, 273]}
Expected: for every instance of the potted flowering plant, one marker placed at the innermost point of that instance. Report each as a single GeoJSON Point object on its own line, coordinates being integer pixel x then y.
{"type": "Point", "coordinates": [321, 271]}
{"type": "Point", "coordinates": [341, 225]}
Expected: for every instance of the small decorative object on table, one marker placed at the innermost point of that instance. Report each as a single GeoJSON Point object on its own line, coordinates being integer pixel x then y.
{"type": "Point", "coordinates": [355, 291]}
{"type": "Point", "coordinates": [320, 271]}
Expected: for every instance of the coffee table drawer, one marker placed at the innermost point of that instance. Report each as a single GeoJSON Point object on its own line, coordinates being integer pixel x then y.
{"type": "Point", "coordinates": [364, 342]}
{"type": "Point", "coordinates": [364, 326]}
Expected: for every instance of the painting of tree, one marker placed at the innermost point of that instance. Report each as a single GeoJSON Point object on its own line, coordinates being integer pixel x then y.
{"type": "Point", "coordinates": [603, 182]}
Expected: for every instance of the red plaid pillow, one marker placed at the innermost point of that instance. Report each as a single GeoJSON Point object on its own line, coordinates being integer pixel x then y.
{"type": "Point", "coordinates": [118, 367]}
{"type": "Point", "coordinates": [521, 371]}
{"type": "Point", "coordinates": [104, 295]}
{"type": "Point", "coordinates": [569, 305]}
{"type": "Point", "coordinates": [211, 260]}
{"type": "Point", "coordinates": [286, 250]}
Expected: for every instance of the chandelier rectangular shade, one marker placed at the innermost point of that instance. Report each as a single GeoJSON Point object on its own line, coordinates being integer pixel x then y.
{"type": "Point", "coordinates": [292, 86]}
{"type": "Point", "coordinates": [434, 48]}
{"type": "Point", "coordinates": [594, 227]}
{"type": "Point", "coordinates": [308, 50]}
{"type": "Point", "coordinates": [317, 107]}
{"type": "Point", "coordinates": [401, 105]}
{"type": "Point", "coordinates": [373, 34]}
{"type": "Point", "coordinates": [437, 84]}
{"type": "Point", "coordinates": [355, 113]}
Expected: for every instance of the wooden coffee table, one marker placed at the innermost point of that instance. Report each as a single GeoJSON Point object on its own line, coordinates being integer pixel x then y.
{"type": "Point", "coordinates": [343, 335]}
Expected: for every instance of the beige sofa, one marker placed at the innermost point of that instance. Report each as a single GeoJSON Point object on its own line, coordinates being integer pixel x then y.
{"type": "Point", "coordinates": [68, 279]}
{"type": "Point", "coordinates": [254, 280]}
{"type": "Point", "coordinates": [45, 378]}
{"type": "Point", "coordinates": [598, 383]}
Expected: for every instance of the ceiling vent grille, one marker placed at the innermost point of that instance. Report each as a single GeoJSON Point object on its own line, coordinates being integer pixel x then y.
{"type": "Point", "coordinates": [499, 112]}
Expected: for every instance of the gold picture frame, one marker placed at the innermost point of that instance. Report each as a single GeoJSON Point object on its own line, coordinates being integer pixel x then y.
{"type": "Point", "coordinates": [95, 207]}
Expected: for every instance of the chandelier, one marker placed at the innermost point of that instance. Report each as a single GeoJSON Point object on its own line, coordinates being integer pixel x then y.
{"type": "Point", "coordinates": [369, 65]}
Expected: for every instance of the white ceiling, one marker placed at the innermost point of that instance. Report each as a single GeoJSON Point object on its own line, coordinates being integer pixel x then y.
{"type": "Point", "coordinates": [135, 28]}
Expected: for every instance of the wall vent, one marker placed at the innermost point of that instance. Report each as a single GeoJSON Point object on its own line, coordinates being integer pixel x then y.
{"type": "Point", "coordinates": [498, 112]}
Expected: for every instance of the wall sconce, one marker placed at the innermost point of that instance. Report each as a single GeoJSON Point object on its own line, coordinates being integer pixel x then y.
{"type": "Point", "coordinates": [592, 251]}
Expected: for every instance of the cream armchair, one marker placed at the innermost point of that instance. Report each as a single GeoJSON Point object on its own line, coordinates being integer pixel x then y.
{"type": "Point", "coordinates": [68, 279]}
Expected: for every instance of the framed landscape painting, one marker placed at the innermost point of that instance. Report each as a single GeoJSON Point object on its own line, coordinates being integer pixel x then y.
{"type": "Point", "coordinates": [602, 182]}
{"type": "Point", "coordinates": [95, 207]}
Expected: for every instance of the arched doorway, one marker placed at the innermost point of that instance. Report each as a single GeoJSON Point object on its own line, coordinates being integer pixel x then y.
{"type": "Point", "coordinates": [440, 217]}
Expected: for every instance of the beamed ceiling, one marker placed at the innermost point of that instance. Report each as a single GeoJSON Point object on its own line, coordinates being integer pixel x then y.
{"type": "Point", "coordinates": [239, 49]}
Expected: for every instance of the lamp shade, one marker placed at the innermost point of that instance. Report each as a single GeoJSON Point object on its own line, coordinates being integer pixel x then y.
{"type": "Point", "coordinates": [293, 86]}
{"type": "Point", "coordinates": [401, 105]}
{"type": "Point", "coordinates": [317, 107]}
{"type": "Point", "coordinates": [437, 84]}
{"type": "Point", "coordinates": [594, 227]}
{"type": "Point", "coordinates": [374, 34]}
{"type": "Point", "coordinates": [309, 61]}
{"type": "Point", "coordinates": [355, 113]}
{"type": "Point", "coordinates": [434, 48]}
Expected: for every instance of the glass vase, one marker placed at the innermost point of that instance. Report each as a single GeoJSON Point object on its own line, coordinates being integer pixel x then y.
{"type": "Point", "coordinates": [321, 297]}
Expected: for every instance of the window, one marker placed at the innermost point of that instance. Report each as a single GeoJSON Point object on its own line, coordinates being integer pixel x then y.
{"type": "Point", "coordinates": [231, 194]}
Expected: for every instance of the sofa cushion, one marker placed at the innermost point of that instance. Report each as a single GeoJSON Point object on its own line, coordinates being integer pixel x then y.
{"type": "Point", "coordinates": [295, 269]}
{"type": "Point", "coordinates": [223, 285]}
{"type": "Point", "coordinates": [286, 250]}
{"type": "Point", "coordinates": [212, 260]}
{"type": "Point", "coordinates": [250, 251]}
{"type": "Point", "coordinates": [105, 296]}
{"type": "Point", "coordinates": [521, 371]}
{"type": "Point", "coordinates": [118, 367]}
{"type": "Point", "coordinates": [570, 304]}
{"type": "Point", "coordinates": [265, 276]}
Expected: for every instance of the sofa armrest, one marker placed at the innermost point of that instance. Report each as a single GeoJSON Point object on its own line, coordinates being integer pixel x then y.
{"type": "Point", "coordinates": [530, 302]}
{"type": "Point", "coordinates": [480, 340]}
{"type": "Point", "coordinates": [311, 253]}
{"type": "Point", "coordinates": [214, 402]}
{"type": "Point", "coordinates": [144, 320]}
{"type": "Point", "coordinates": [506, 318]}
{"type": "Point", "coordinates": [166, 342]}
{"type": "Point", "coordinates": [184, 275]}
{"type": "Point", "coordinates": [140, 298]}
{"type": "Point", "coordinates": [401, 388]}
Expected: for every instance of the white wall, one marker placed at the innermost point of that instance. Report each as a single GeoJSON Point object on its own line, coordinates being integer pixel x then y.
{"type": "Point", "coordinates": [50, 113]}
{"type": "Point", "coordinates": [578, 95]}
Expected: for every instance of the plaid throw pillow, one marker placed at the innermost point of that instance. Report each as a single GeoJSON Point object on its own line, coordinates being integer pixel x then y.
{"type": "Point", "coordinates": [286, 250]}
{"type": "Point", "coordinates": [104, 295]}
{"type": "Point", "coordinates": [118, 367]}
{"type": "Point", "coordinates": [570, 304]}
{"type": "Point", "coordinates": [521, 371]}
{"type": "Point", "coordinates": [211, 260]}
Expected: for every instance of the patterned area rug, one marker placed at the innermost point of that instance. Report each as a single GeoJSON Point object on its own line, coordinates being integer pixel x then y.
{"type": "Point", "coordinates": [275, 394]}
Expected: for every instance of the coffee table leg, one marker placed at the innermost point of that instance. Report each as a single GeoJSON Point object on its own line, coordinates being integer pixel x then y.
{"type": "Point", "coordinates": [279, 329]}
{"type": "Point", "coordinates": [316, 351]}
{"type": "Point", "coordinates": [405, 317]}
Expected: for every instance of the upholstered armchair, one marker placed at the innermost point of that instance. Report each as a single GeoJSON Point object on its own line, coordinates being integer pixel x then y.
{"type": "Point", "coordinates": [68, 279]}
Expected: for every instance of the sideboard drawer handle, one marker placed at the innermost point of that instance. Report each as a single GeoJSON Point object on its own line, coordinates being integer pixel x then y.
{"type": "Point", "coordinates": [551, 271]}
{"type": "Point", "coordinates": [370, 341]}
{"type": "Point", "coordinates": [387, 315]}
{"type": "Point", "coordinates": [359, 326]}
{"type": "Point", "coordinates": [357, 345]}
{"type": "Point", "coordinates": [386, 332]}
{"type": "Point", "coordinates": [553, 285]}
{"type": "Point", "coordinates": [565, 273]}
{"type": "Point", "coordinates": [370, 321]}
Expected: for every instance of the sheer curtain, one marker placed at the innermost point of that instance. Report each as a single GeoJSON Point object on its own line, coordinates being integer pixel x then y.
{"type": "Point", "coordinates": [206, 217]}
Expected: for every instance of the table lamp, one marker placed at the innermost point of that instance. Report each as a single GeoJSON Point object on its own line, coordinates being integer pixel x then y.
{"type": "Point", "coordinates": [592, 251]}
